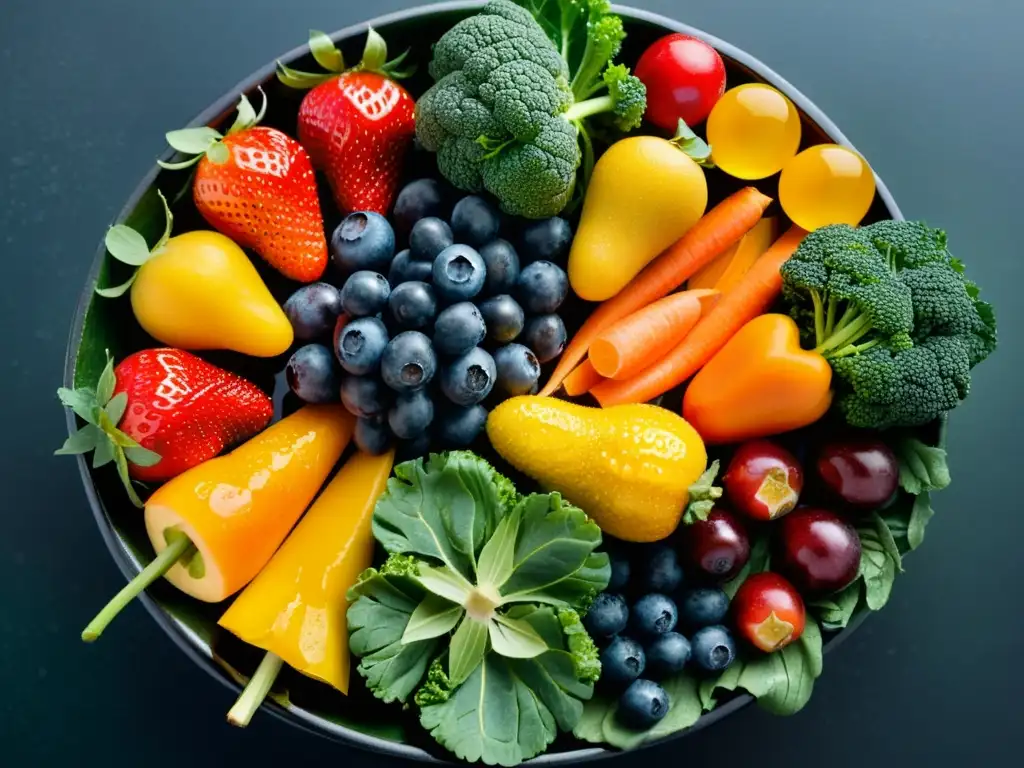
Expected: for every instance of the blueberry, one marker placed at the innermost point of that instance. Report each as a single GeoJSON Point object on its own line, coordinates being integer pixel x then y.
{"type": "Point", "coordinates": [703, 606]}
{"type": "Point", "coordinates": [547, 240]}
{"type": "Point", "coordinates": [411, 414]}
{"type": "Point", "coordinates": [360, 344]}
{"type": "Point", "coordinates": [428, 238]}
{"type": "Point", "coordinates": [417, 200]}
{"type": "Point", "coordinates": [607, 615]}
{"type": "Point", "coordinates": [504, 317]}
{"type": "Point", "coordinates": [502, 264]}
{"type": "Point", "coordinates": [517, 368]}
{"type": "Point", "coordinates": [667, 655]}
{"type": "Point", "coordinates": [404, 269]}
{"type": "Point", "coordinates": [312, 310]}
{"type": "Point", "coordinates": [459, 427]}
{"type": "Point", "coordinates": [713, 648]}
{"type": "Point", "coordinates": [363, 240]}
{"type": "Point", "coordinates": [312, 374]}
{"type": "Point", "coordinates": [409, 362]}
{"type": "Point", "coordinates": [413, 304]}
{"type": "Point", "coordinates": [458, 329]}
{"type": "Point", "coordinates": [622, 661]}
{"type": "Point", "coordinates": [661, 570]}
{"type": "Point", "coordinates": [469, 379]}
{"type": "Point", "coordinates": [372, 435]}
{"type": "Point", "coordinates": [458, 273]}
{"type": "Point", "coordinates": [643, 704]}
{"type": "Point", "coordinates": [620, 572]}
{"type": "Point", "coordinates": [416, 448]}
{"type": "Point", "coordinates": [653, 615]}
{"type": "Point", "coordinates": [364, 293]}
{"type": "Point", "coordinates": [364, 396]}
{"type": "Point", "coordinates": [545, 335]}
{"type": "Point", "coordinates": [542, 287]}
{"type": "Point", "coordinates": [474, 221]}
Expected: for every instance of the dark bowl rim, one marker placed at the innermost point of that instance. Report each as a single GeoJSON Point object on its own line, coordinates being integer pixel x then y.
{"type": "Point", "coordinates": [129, 565]}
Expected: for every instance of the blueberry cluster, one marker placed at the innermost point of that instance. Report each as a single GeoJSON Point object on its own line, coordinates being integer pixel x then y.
{"type": "Point", "coordinates": [651, 626]}
{"type": "Point", "coordinates": [458, 314]}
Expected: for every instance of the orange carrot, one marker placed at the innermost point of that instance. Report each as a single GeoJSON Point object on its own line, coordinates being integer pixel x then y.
{"type": "Point", "coordinates": [582, 379]}
{"type": "Point", "coordinates": [751, 297]}
{"type": "Point", "coordinates": [642, 339]}
{"type": "Point", "coordinates": [720, 227]}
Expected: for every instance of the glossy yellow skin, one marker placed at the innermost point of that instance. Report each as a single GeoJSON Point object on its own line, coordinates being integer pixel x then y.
{"type": "Point", "coordinates": [644, 195]}
{"type": "Point", "coordinates": [296, 606]}
{"type": "Point", "coordinates": [826, 184]}
{"type": "Point", "coordinates": [202, 292]}
{"type": "Point", "coordinates": [628, 467]}
{"type": "Point", "coordinates": [238, 508]}
{"type": "Point", "coordinates": [753, 130]}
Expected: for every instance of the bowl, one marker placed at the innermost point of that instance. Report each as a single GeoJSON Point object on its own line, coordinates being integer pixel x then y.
{"type": "Point", "coordinates": [100, 324]}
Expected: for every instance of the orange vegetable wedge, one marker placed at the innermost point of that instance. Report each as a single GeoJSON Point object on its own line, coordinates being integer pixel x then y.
{"type": "Point", "coordinates": [582, 379]}
{"type": "Point", "coordinates": [725, 272]}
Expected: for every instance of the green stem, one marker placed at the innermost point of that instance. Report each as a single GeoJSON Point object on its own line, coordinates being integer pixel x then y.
{"type": "Point", "coordinates": [255, 690]}
{"type": "Point", "coordinates": [590, 67]}
{"type": "Point", "coordinates": [588, 155]}
{"type": "Point", "coordinates": [848, 315]}
{"type": "Point", "coordinates": [830, 316]}
{"type": "Point", "coordinates": [819, 318]}
{"type": "Point", "coordinates": [584, 109]}
{"type": "Point", "coordinates": [177, 549]}
{"type": "Point", "coordinates": [848, 335]}
{"type": "Point", "coordinates": [854, 349]}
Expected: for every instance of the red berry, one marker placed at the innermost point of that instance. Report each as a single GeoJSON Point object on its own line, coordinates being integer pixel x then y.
{"type": "Point", "coordinates": [768, 612]}
{"type": "Point", "coordinates": [863, 473]}
{"type": "Point", "coordinates": [684, 76]}
{"type": "Point", "coordinates": [818, 550]}
{"type": "Point", "coordinates": [717, 547]}
{"type": "Point", "coordinates": [763, 480]}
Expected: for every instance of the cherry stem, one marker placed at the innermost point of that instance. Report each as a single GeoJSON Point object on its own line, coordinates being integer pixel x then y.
{"type": "Point", "coordinates": [177, 549]}
{"type": "Point", "coordinates": [255, 690]}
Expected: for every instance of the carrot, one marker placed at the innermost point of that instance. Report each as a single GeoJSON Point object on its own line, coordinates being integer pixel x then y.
{"type": "Point", "coordinates": [751, 297]}
{"type": "Point", "coordinates": [720, 227]}
{"type": "Point", "coordinates": [642, 339]}
{"type": "Point", "coordinates": [582, 379]}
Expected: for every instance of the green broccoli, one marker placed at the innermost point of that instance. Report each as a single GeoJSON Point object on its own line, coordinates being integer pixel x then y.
{"type": "Point", "coordinates": [437, 688]}
{"type": "Point", "coordinates": [586, 660]}
{"type": "Point", "coordinates": [400, 565]}
{"type": "Point", "coordinates": [890, 309]}
{"type": "Point", "coordinates": [507, 115]}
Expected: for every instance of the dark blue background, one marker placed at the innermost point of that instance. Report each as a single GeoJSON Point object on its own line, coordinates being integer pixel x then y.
{"type": "Point", "coordinates": [929, 90]}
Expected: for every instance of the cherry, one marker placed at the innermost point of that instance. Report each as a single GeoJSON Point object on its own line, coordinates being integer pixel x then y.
{"type": "Point", "coordinates": [862, 472]}
{"type": "Point", "coordinates": [818, 550]}
{"type": "Point", "coordinates": [717, 547]}
{"type": "Point", "coordinates": [763, 480]}
{"type": "Point", "coordinates": [768, 612]}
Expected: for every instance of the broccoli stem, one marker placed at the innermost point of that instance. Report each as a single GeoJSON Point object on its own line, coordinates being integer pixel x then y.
{"type": "Point", "coordinates": [494, 147]}
{"type": "Point", "coordinates": [588, 154]}
{"type": "Point", "coordinates": [854, 349]}
{"type": "Point", "coordinates": [850, 334]}
{"type": "Point", "coordinates": [848, 315]}
{"type": "Point", "coordinates": [581, 110]}
{"type": "Point", "coordinates": [588, 73]}
{"type": "Point", "coordinates": [830, 317]}
{"type": "Point", "coordinates": [819, 318]}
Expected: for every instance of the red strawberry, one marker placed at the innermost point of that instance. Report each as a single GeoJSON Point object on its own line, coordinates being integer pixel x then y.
{"type": "Point", "coordinates": [256, 185]}
{"type": "Point", "coordinates": [162, 411]}
{"type": "Point", "coordinates": [356, 124]}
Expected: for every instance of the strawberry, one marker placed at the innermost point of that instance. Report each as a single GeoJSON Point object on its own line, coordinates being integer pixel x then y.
{"type": "Point", "coordinates": [256, 185]}
{"type": "Point", "coordinates": [162, 411]}
{"type": "Point", "coordinates": [356, 124]}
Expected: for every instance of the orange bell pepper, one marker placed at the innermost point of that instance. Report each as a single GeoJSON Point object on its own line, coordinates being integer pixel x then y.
{"type": "Point", "coordinates": [760, 383]}
{"type": "Point", "coordinates": [215, 526]}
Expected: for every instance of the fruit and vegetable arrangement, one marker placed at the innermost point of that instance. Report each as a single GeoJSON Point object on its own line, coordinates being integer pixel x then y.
{"type": "Point", "coordinates": [606, 399]}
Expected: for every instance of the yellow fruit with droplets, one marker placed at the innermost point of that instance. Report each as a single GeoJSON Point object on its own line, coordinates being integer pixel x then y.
{"type": "Point", "coordinates": [628, 467]}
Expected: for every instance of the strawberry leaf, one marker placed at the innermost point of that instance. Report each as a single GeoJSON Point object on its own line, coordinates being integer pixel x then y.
{"type": "Point", "coordinates": [81, 401]}
{"type": "Point", "coordinates": [115, 408]}
{"type": "Point", "coordinates": [126, 245]}
{"type": "Point", "coordinates": [117, 290]}
{"type": "Point", "coordinates": [375, 53]}
{"type": "Point", "coordinates": [692, 145]}
{"type": "Point", "coordinates": [104, 453]}
{"type": "Point", "coordinates": [193, 141]}
{"type": "Point", "coordinates": [142, 457]}
{"type": "Point", "coordinates": [168, 223]}
{"type": "Point", "coordinates": [325, 52]}
{"type": "Point", "coordinates": [247, 116]}
{"type": "Point", "coordinates": [106, 384]}
{"type": "Point", "coordinates": [179, 166]}
{"type": "Point", "coordinates": [396, 71]}
{"type": "Point", "coordinates": [218, 154]}
{"type": "Point", "coordinates": [293, 78]}
{"type": "Point", "coordinates": [82, 441]}
{"type": "Point", "coordinates": [122, 471]}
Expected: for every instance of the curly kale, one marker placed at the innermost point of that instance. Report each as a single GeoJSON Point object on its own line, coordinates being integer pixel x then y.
{"type": "Point", "coordinates": [891, 310]}
{"type": "Point", "coordinates": [507, 115]}
{"type": "Point", "coordinates": [437, 688]}
{"type": "Point", "coordinates": [585, 656]}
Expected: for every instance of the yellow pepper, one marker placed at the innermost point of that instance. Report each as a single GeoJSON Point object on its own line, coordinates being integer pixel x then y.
{"type": "Point", "coordinates": [215, 526]}
{"type": "Point", "coordinates": [295, 608]}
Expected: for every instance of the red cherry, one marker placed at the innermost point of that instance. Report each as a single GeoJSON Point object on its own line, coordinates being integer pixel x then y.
{"type": "Point", "coordinates": [818, 550]}
{"type": "Point", "coordinates": [684, 76]}
{"type": "Point", "coordinates": [863, 473]}
{"type": "Point", "coordinates": [769, 612]}
{"type": "Point", "coordinates": [763, 480]}
{"type": "Point", "coordinates": [717, 547]}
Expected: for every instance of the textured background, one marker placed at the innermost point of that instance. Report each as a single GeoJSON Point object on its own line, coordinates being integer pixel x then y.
{"type": "Point", "coordinates": [927, 89]}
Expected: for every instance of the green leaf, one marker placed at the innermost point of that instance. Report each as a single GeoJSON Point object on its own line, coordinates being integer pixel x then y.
{"type": "Point", "coordinates": [469, 643]}
{"type": "Point", "coordinates": [445, 583]}
{"type": "Point", "coordinates": [218, 154]}
{"type": "Point", "coordinates": [759, 560]}
{"type": "Point", "coordinates": [106, 384]}
{"type": "Point", "coordinates": [82, 441]}
{"type": "Point", "coordinates": [116, 406]}
{"type": "Point", "coordinates": [325, 52]}
{"type": "Point", "coordinates": [922, 467]}
{"type": "Point", "coordinates": [879, 561]}
{"type": "Point", "coordinates": [115, 291]}
{"type": "Point", "coordinates": [555, 542]}
{"type": "Point", "coordinates": [703, 495]}
{"type": "Point", "coordinates": [692, 145]}
{"type": "Point", "coordinates": [414, 515]}
{"type": "Point", "coordinates": [168, 223]}
{"type": "Point", "coordinates": [142, 457]}
{"type": "Point", "coordinates": [104, 453]}
{"type": "Point", "coordinates": [122, 471]}
{"type": "Point", "coordinates": [482, 482]}
{"type": "Point", "coordinates": [247, 116]}
{"type": "Point", "coordinates": [433, 617]}
{"type": "Point", "coordinates": [180, 166]}
{"type": "Point", "coordinates": [835, 611]}
{"type": "Point", "coordinates": [193, 141]}
{"type": "Point", "coordinates": [126, 245]}
{"type": "Point", "coordinates": [515, 638]}
{"type": "Point", "coordinates": [375, 52]}
{"type": "Point", "coordinates": [495, 565]}
{"type": "Point", "coordinates": [293, 78]}
{"type": "Point", "coordinates": [920, 514]}
{"type": "Point", "coordinates": [380, 611]}
{"type": "Point", "coordinates": [81, 401]}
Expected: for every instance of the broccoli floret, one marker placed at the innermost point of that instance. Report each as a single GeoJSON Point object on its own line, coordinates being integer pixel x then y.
{"type": "Point", "coordinates": [585, 657]}
{"type": "Point", "coordinates": [437, 688]}
{"type": "Point", "coordinates": [502, 116]}
{"type": "Point", "coordinates": [400, 565]}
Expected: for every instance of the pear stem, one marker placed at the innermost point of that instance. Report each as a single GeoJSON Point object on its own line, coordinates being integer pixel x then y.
{"type": "Point", "coordinates": [180, 547]}
{"type": "Point", "coordinates": [255, 690]}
